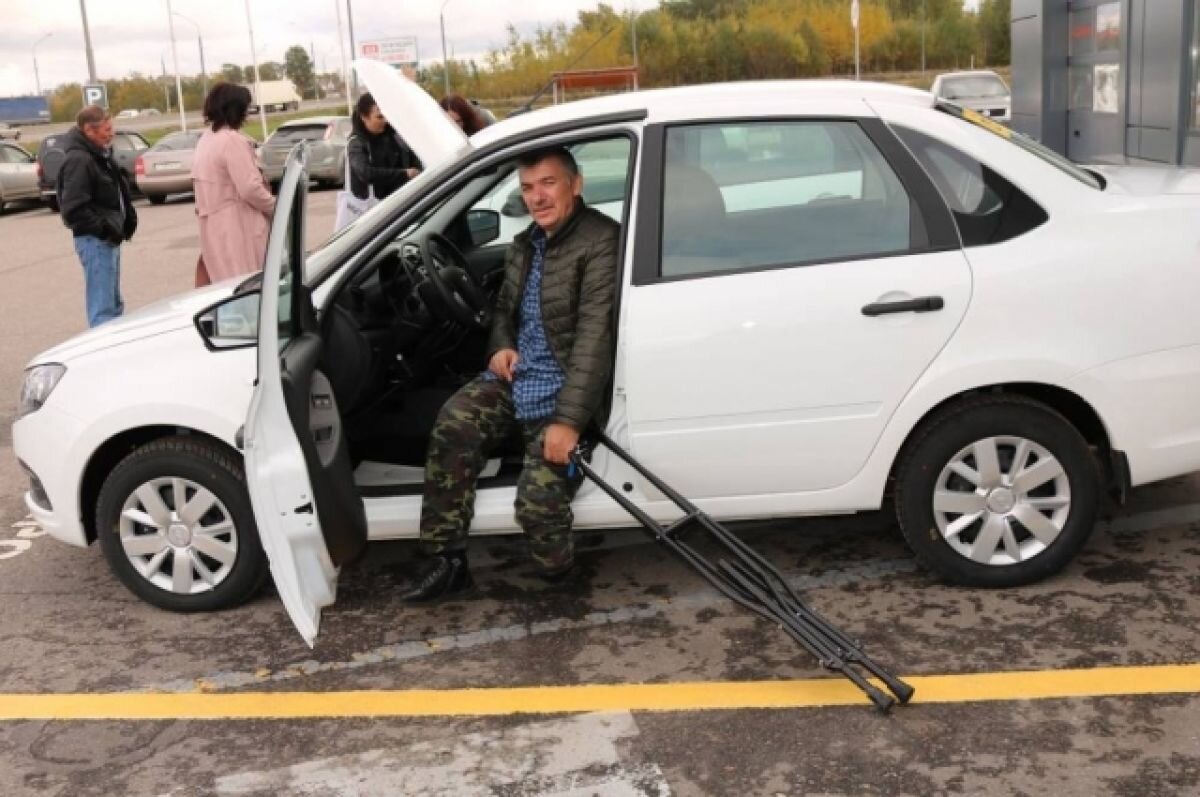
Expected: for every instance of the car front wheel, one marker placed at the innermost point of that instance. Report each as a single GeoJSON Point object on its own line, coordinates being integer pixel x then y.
{"type": "Point", "coordinates": [998, 491]}
{"type": "Point", "coordinates": [175, 524]}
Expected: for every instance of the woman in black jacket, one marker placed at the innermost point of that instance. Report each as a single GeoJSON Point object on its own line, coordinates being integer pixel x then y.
{"type": "Point", "coordinates": [378, 158]}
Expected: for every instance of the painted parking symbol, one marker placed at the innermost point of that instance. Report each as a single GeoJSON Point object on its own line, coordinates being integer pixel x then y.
{"type": "Point", "coordinates": [27, 531]}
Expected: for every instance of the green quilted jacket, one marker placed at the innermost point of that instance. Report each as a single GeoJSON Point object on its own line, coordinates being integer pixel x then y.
{"type": "Point", "coordinates": [579, 280]}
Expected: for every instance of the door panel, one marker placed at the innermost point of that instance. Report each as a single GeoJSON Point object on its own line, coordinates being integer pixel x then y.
{"type": "Point", "coordinates": [751, 365]}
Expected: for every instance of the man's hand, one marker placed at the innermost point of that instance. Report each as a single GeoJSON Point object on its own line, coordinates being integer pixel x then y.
{"type": "Point", "coordinates": [412, 173]}
{"type": "Point", "coordinates": [560, 442]}
{"type": "Point", "coordinates": [502, 364]}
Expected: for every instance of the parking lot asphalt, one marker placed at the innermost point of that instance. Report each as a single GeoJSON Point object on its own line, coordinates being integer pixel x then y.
{"type": "Point", "coordinates": [640, 679]}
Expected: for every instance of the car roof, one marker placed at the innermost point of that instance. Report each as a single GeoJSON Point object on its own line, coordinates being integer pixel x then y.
{"type": "Point", "coordinates": [970, 73]}
{"type": "Point", "coordinates": [718, 100]}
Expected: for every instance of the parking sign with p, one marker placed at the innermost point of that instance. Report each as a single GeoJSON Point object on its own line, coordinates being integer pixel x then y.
{"type": "Point", "coordinates": [95, 94]}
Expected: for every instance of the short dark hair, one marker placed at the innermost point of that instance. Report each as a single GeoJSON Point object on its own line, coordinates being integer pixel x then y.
{"type": "Point", "coordinates": [365, 103]}
{"type": "Point", "coordinates": [226, 106]}
{"type": "Point", "coordinates": [472, 120]}
{"type": "Point", "coordinates": [90, 115]}
{"type": "Point", "coordinates": [562, 154]}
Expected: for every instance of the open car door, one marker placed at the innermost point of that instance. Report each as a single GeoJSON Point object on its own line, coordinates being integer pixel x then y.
{"type": "Point", "coordinates": [310, 518]}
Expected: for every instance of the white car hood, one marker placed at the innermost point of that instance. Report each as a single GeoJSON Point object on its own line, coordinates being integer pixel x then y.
{"type": "Point", "coordinates": [1150, 180]}
{"type": "Point", "coordinates": [420, 121]}
{"type": "Point", "coordinates": [166, 315]}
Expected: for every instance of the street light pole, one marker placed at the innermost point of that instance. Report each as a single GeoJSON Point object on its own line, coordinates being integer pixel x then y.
{"type": "Point", "coordinates": [924, 22]}
{"type": "Point", "coordinates": [87, 43]}
{"type": "Point", "coordinates": [200, 42]}
{"type": "Point", "coordinates": [175, 62]}
{"type": "Point", "coordinates": [353, 50]}
{"type": "Point", "coordinates": [262, 111]}
{"type": "Point", "coordinates": [337, 7]}
{"type": "Point", "coordinates": [445, 61]}
{"type": "Point", "coordinates": [633, 15]}
{"type": "Point", "coordinates": [37, 79]}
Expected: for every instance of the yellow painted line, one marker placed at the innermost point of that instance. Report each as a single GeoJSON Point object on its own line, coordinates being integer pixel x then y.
{"type": "Point", "coordinates": [810, 693]}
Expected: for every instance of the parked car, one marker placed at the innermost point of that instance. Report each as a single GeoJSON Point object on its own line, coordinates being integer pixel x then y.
{"type": "Point", "coordinates": [326, 138]}
{"type": "Point", "coordinates": [149, 112]}
{"type": "Point", "coordinates": [9, 132]}
{"type": "Point", "coordinates": [128, 113]}
{"type": "Point", "coordinates": [830, 293]}
{"type": "Point", "coordinates": [980, 90]}
{"type": "Point", "coordinates": [18, 175]}
{"type": "Point", "coordinates": [127, 146]}
{"type": "Point", "coordinates": [166, 168]}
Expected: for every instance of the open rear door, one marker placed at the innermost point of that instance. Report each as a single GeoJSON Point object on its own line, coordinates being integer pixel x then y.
{"type": "Point", "coordinates": [310, 518]}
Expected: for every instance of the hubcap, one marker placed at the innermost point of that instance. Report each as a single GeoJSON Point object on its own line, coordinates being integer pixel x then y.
{"type": "Point", "coordinates": [1001, 500]}
{"type": "Point", "coordinates": [178, 535]}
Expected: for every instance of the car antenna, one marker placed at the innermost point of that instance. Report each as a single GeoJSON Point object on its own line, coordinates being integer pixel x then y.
{"type": "Point", "coordinates": [528, 106]}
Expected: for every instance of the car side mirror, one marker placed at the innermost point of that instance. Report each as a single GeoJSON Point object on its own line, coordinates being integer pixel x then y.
{"type": "Point", "coordinates": [484, 226]}
{"type": "Point", "coordinates": [231, 323]}
{"type": "Point", "coordinates": [514, 207]}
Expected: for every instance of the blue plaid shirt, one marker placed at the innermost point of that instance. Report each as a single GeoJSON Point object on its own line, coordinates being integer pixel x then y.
{"type": "Point", "coordinates": [537, 377]}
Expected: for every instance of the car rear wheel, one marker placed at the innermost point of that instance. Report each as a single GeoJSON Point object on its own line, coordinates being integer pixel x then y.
{"type": "Point", "coordinates": [998, 491]}
{"type": "Point", "coordinates": [175, 524]}
{"type": "Point", "coordinates": [156, 199]}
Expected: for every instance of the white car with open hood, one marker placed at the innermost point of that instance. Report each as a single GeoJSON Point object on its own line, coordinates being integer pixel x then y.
{"type": "Point", "coordinates": [830, 293]}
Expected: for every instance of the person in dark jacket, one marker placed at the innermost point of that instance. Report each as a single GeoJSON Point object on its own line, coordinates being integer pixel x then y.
{"type": "Point", "coordinates": [378, 158]}
{"type": "Point", "coordinates": [93, 196]}
{"type": "Point", "coordinates": [550, 355]}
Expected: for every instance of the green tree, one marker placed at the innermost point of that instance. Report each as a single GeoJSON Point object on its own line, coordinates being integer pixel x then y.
{"type": "Point", "coordinates": [995, 31]}
{"type": "Point", "coordinates": [233, 73]}
{"type": "Point", "coordinates": [299, 69]}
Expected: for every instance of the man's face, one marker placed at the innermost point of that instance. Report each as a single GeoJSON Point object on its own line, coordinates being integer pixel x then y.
{"type": "Point", "coordinates": [375, 122]}
{"type": "Point", "coordinates": [549, 192]}
{"type": "Point", "coordinates": [100, 134]}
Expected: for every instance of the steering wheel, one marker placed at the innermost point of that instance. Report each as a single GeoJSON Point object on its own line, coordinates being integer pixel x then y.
{"type": "Point", "coordinates": [460, 298]}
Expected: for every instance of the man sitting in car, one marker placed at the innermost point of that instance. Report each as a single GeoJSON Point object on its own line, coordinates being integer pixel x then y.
{"type": "Point", "coordinates": [550, 351]}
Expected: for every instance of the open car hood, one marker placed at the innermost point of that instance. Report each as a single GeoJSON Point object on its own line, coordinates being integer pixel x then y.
{"type": "Point", "coordinates": [419, 120]}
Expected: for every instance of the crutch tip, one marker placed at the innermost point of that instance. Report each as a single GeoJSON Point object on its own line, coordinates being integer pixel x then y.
{"type": "Point", "coordinates": [903, 691]}
{"type": "Point", "coordinates": [882, 701]}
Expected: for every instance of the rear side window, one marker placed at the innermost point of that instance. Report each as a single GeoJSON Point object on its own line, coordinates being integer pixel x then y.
{"type": "Point", "coordinates": [177, 141]}
{"type": "Point", "coordinates": [294, 135]}
{"type": "Point", "coordinates": [741, 197]}
{"type": "Point", "coordinates": [987, 208]}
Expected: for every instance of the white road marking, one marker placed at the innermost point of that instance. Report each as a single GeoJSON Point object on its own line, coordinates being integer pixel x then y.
{"type": "Point", "coordinates": [562, 757]}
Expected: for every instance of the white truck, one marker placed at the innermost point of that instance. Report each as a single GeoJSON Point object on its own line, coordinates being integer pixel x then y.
{"type": "Point", "coordinates": [276, 95]}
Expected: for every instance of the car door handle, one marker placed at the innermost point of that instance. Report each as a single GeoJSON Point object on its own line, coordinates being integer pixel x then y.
{"type": "Point", "coordinates": [925, 304]}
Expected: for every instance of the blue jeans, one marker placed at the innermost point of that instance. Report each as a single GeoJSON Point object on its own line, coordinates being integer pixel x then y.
{"type": "Point", "coordinates": [102, 278]}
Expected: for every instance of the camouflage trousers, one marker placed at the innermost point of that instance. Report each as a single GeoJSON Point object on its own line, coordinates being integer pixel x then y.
{"type": "Point", "coordinates": [472, 424]}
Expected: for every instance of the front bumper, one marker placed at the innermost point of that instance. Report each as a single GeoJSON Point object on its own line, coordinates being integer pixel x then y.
{"type": "Point", "coordinates": [44, 441]}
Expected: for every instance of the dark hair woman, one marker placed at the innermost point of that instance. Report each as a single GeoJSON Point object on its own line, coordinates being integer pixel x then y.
{"type": "Point", "coordinates": [377, 158]}
{"type": "Point", "coordinates": [463, 113]}
{"type": "Point", "coordinates": [233, 202]}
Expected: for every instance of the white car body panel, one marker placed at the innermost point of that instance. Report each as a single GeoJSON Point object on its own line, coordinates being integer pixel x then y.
{"type": "Point", "coordinates": [1099, 301]}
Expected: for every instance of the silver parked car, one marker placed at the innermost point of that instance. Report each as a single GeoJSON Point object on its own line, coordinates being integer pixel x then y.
{"type": "Point", "coordinates": [166, 168]}
{"type": "Point", "coordinates": [18, 175]}
{"type": "Point", "coordinates": [326, 138]}
{"type": "Point", "coordinates": [981, 90]}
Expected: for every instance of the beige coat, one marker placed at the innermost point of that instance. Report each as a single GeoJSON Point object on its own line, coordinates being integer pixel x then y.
{"type": "Point", "coordinates": [233, 203]}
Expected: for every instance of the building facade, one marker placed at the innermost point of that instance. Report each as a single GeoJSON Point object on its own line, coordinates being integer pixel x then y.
{"type": "Point", "coordinates": [1109, 81]}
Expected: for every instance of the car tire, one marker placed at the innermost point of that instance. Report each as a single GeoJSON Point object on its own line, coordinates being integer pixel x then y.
{"type": "Point", "coordinates": [219, 568]}
{"type": "Point", "coordinates": [156, 199]}
{"type": "Point", "coordinates": [982, 525]}
{"type": "Point", "coordinates": [52, 203]}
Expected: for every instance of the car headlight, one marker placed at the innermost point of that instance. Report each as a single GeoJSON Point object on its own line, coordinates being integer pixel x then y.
{"type": "Point", "coordinates": [40, 381]}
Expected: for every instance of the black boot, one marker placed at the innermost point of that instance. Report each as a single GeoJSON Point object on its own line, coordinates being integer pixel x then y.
{"type": "Point", "coordinates": [440, 577]}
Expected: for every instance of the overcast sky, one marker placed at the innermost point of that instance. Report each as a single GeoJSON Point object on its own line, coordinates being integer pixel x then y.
{"type": "Point", "coordinates": [132, 35]}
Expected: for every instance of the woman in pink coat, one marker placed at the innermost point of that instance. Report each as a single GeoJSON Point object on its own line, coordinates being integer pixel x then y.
{"type": "Point", "coordinates": [232, 198]}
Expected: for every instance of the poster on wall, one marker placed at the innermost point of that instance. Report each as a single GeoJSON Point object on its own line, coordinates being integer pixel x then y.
{"type": "Point", "coordinates": [1105, 94]}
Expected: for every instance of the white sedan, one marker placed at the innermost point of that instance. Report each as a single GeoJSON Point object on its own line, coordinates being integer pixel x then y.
{"type": "Point", "coordinates": [831, 293]}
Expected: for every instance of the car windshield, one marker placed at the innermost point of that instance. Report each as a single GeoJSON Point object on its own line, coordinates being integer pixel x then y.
{"type": "Point", "coordinates": [177, 141]}
{"type": "Point", "coordinates": [975, 86]}
{"type": "Point", "coordinates": [1024, 142]}
{"type": "Point", "coordinates": [296, 134]}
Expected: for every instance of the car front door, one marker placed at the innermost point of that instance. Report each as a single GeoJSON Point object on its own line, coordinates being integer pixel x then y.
{"type": "Point", "coordinates": [310, 518]}
{"type": "Point", "coordinates": [792, 280]}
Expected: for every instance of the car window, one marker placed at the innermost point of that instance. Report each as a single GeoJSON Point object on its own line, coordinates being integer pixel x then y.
{"type": "Point", "coordinates": [740, 197]}
{"type": "Point", "coordinates": [604, 165]}
{"type": "Point", "coordinates": [176, 142]}
{"type": "Point", "coordinates": [10, 155]}
{"type": "Point", "coordinates": [971, 87]}
{"type": "Point", "coordinates": [121, 143]}
{"type": "Point", "coordinates": [298, 133]}
{"type": "Point", "coordinates": [987, 208]}
{"type": "Point", "coordinates": [137, 142]}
